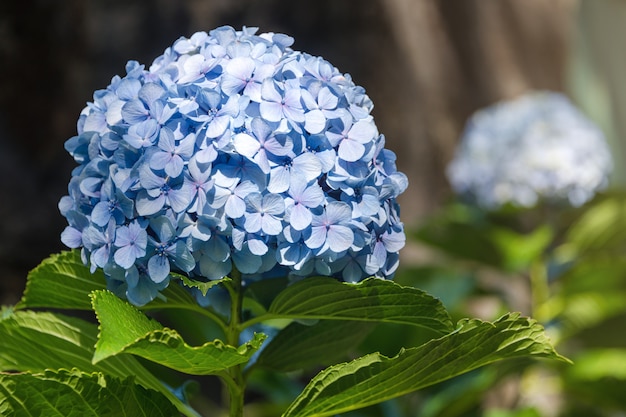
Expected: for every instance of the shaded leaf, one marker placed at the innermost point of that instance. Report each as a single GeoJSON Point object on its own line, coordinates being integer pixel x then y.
{"type": "Point", "coordinates": [61, 281]}
{"type": "Point", "coordinates": [124, 329]}
{"type": "Point", "coordinates": [301, 347]}
{"type": "Point", "coordinates": [35, 341]}
{"type": "Point", "coordinates": [375, 378]}
{"type": "Point", "coordinates": [371, 300]}
{"type": "Point", "coordinates": [77, 394]}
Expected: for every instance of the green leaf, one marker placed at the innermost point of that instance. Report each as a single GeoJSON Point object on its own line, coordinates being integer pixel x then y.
{"type": "Point", "coordinates": [301, 347]}
{"type": "Point", "coordinates": [375, 378]}
{"type": "Point", "coordinates": [35, 341]}
{"type": "Point", "coordinates": [124, 329]}
{"type": "Point", "coordinates": [601, 227]}
{"type": "Point", "coordinates": [61, 281]}
{"type": "Point", "coordinates": [77, 394]}
{"type": "Point", "coordinates": [461, 231]}
{"type": "Point", "coordinates": [203, 286]}
{"type": "Point", "coordinates": [371, 300]}
{"type": "Point", "coordinates": [520, 250]}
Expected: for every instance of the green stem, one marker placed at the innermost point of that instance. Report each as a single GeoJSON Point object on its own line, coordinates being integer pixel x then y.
{"type": "Point", "coordinates": [540, 290]}
{"type": "Point", "coordinates": [235, 381]}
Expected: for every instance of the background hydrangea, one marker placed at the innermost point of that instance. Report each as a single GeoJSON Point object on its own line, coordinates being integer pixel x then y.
{"type": "Point", "coordinates": [232, 151]}
{"type": "Point", "coordinates": [538, 146]}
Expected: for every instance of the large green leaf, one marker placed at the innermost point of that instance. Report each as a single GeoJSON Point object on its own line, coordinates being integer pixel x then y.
{"type": "Point", "coordinates": [298, 346]}
{"type": "Point", "coordinates": [372, 300]}
{"type": "Point", "coordinates": [78, 394]}
{"type": "Point", "coordinates": [602, 227]}
{"type": "Point", "coordinates": [61, 281]}
{"type": "Point", "coordinates": [375, 378]}
{"type": "Point", "coordinates": [124, 329]}
{"type": "Point", "coordinates": [35, 341]}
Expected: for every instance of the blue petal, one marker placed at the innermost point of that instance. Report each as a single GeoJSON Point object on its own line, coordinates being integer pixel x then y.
{"type": "Point", "coordinates": [350, 150]}
{"type": "Point", "coordinates": [246, 145]}
{"type": "Point", "coordinates": [158, 268]}
{"type": "Point", "coordinates": [300, 217]}
{"type": "Point", "coordinates": [72, 238]}
{"type": "Point", "coordinates": [246, 262]}
{"type": "Point", "coordinates": [314, 121]}
{"type": "Point", "coordinates": [101, 214]}
{"type": "Point", "coordinates": [340, 238]}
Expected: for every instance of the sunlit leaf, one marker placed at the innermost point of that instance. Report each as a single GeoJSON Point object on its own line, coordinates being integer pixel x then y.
{"type": "Point", "coordinates": [61, 281]}
{"type": "Point", "coordinates": [78, 394]}
{"type": "Point", "coordinates": [372, 300]}
{"type": "Point", "coordinates": [375, 378]}
{"type": "Point", "coordinates": [300, 347]}
{"type": "Point", "coordinates": [35, 341]}
{"type": "Point", "coordinates": [124, 329]}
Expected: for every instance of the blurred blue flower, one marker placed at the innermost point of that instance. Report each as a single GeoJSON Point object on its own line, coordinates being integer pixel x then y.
{"type": "Point", "coordinates": [535, 147]}
{"type": "Point", "coordinates": [231, 150]}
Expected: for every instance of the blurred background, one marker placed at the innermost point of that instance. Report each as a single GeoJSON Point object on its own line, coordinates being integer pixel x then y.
{"type": "Point", "coordinates": [426, 64]}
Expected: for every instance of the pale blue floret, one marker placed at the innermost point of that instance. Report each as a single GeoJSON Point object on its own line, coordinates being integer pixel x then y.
{"type": "Point", "coordinates": [537, 147]}
{"type": "Point", "coordinates": [231, 151]}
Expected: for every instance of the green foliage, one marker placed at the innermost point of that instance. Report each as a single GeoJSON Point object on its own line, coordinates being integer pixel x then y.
{"type": "Point", "coordinates": [372, 300]}
{"type": "Point", "coordinates": [315, 322]}
{"type": "Point", "coordinates": [77, 394]}
{"type": "Point", "coordinates": [61, 281]}
{"type": "Point", "coordinates": [123, 328]}
{"type": "Point", "coordinates": [299, 346]}
{"type": "Point", "coordinates": [374, 378]}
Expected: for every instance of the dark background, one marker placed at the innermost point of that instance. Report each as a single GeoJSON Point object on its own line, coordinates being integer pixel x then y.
{"type": "Point", "coordinates": [426, 64]}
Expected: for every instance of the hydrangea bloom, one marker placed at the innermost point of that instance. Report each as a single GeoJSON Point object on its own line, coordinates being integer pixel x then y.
{"type": "Point", "coordinates": [232, 151]}
{"type": "Point", "coordinates": [536, 147]}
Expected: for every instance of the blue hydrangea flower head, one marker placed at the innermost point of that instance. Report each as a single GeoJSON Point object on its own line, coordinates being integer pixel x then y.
{"type": "Point", "coordinates": [538, 147]}
{"type": "Point", "coordinates": [232, 150]}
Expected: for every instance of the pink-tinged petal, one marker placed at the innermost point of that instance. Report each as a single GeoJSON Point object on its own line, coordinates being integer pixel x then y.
{"type": "Point", "coordinates": [294, 114]}
{"type": "Point", "coordinates": [125, 256]}
{"type": "Point", "coordinates": [326, 99]}
{"type": "Point", "coordinates": [279, 179]}
{"type": "Point", "coordinates": [273, 204]}
{"type": "Point", "coordinates": [307, 165]}
{"type": "Point", "coordinates": [313, 196]}
{"type": "Point", "coordinates": [317, 237]}
{"type": "Point", "coordinates": [271, 225]}
{"type": "Point", "coordinates": [234, 207]}
{"type": "Point", "coordinates": [253, 222]}
{"type": "Point", "coordinates": [271, 111]}
{"type": "Point", "coordinates": [340, 238]}
{"type": "Point", "coordinates": [218, 126]}
{"type": "Point", "coordinates": [261, 159]}
{"type": "Point", "coordinates": [394, 241]}
{"type": "Point", "coordinates": [159, 160]}
{"type": "Point", "coordinates": [246, 145]}
{"type": "Point", "coordinates": [277, 147]}
{"type": "Point", "coordinates": [240, 67]}
{"type": "Point", "coordinates": [257, 247]}
{"type": "Point", "coordinates": [337, 212]}
{"type": "Point", "coordinates": [350, 150]}
{"type": "Point", "coordinates": [363, 131]}
{"type": "Point", "coordinates": [314, 121]}
{"type": "Point", "coordinates": [269, 92]}
{"type": "Point", "coordinates": [300, 217]}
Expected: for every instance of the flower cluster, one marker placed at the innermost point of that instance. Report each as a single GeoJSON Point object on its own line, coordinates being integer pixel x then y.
{"type": "Point", "coordinates": [536, 147]}
{"type": "Point", "coordinates": [232, 151]}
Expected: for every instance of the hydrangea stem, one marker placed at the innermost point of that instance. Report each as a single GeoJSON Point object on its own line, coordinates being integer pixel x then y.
{"type": "Point", "coordinates": [235, 381]}
{"type": "Point", "coordinates": [540, 290]}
